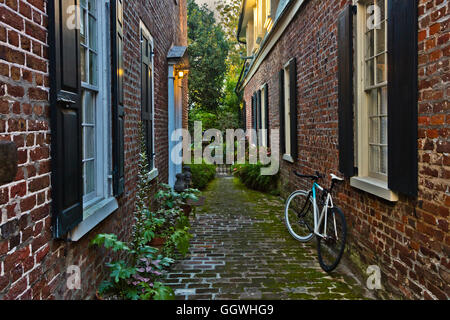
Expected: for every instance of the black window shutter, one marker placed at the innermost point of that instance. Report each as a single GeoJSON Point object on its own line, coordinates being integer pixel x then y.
{"type": "Point", "coordinates": [66, 114]}
{"type": "Point", "coordinates": [281, 112]}
{"type": "Point", "coordinates": [244, 115]}
{"type": "Point", "coordinates": [258, 112]}
{"type": "Point", "coordinates": [254, 124]}
{"type": "Point", "coordinates": [293, 107]}
{"type": "Point", "coordinates": [146, 97]}
{"type": "Point", "coordinates": [259, 109]}
{"type": "Point", "coordinates": [266, 99]}
{"type": "Point", "coordinates": [117, 96]}
{"type": "Point", "coordinates": [345, 92]}
{"type": "Point", "coordinates": [402, 97]}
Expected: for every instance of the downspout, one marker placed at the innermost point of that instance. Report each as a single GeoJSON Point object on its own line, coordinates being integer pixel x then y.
{"type": "Point", "coordinates": [236, 90]}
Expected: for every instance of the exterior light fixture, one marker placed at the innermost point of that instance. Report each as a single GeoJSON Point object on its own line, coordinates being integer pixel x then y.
{"type": "Point", "coordinates": [181, 74]}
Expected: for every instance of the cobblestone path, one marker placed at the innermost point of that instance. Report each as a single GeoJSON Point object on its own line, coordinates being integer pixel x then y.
{"type": "Point", "coordinates": [242, 250]}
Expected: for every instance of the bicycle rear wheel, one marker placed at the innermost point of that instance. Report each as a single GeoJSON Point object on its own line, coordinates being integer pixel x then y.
{"type": "Point", "coordinates": [299, 215]}
{"type": "Point", "coordinates": [331, 248]}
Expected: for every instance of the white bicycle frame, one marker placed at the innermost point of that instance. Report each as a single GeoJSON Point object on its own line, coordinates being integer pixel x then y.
{"type": "Point", "coordinates": [318, 219]}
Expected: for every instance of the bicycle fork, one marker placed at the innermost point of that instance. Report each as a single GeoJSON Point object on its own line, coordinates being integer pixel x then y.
{"type": "Point", "coordinates": [318, 220]}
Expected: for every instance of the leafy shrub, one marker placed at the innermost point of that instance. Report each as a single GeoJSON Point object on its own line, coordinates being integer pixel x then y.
{"type": "Point", "coordinates": [202, 174]}
{"type": "Point", "coordinates": [250, 176]}
{"type": "Point", "coordinates": [134, 278]}
{"type": "Point", "coordinates": [136, 275]}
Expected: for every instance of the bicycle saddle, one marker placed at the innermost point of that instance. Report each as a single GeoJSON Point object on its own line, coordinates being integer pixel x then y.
{"type": "Point", "coordinates": [336, 178]}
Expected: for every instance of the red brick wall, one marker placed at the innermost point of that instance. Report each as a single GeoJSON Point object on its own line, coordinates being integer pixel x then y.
{"type": "Point", "coordinates": [32, 265]}
{"type": "Point", "coordinates": [408, 240]}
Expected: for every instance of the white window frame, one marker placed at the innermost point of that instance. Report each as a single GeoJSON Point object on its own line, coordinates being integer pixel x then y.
{"type": "Point", "coordinates": [287, 114]}
{"type": "Point", "coordinates": [98, 208]}
{"type": "Point", "coordinates": [143, 28]}
{"type": "Point", "coordinates": [364, 181]}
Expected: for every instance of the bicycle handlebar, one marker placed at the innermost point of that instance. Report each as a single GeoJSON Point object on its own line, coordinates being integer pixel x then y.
{"type": "Point", "coordinates": [316, 177]}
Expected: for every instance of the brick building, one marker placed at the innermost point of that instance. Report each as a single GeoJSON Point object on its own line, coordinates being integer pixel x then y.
{"type": "Point", "coordinates": [362, 88]}
{"type": "Point", "coordinates": [76, 79]}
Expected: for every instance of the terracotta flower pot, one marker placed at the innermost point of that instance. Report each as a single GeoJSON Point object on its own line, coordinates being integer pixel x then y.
{"type": "Point", "coordinates": [158, 243]}
{"type": "Point", "coordinates": [187, 210]}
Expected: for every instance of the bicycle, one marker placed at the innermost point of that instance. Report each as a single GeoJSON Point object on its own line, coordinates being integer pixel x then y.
{"type": "Point", "coordinates": [303, 221]}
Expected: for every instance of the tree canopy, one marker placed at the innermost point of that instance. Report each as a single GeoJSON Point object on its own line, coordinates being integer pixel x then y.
{"type": "Point", "coordinates": [208, 51]}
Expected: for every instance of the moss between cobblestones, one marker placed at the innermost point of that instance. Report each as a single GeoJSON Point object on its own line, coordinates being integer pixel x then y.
{"type": "Point", "coordinates": [260, 255]}
{"type": "Point", "coordinates": [268, 209]}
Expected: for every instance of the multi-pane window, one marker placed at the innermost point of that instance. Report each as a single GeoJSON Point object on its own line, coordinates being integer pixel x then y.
{"type": "Point", "coordinates": [147, 92]}
{"type": "Point", "coordinates": [89, 78]}
{"type": "Point", "coordinates": [375, 87]}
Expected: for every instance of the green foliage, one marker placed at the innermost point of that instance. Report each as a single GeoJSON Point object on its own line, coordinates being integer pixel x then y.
{"type": "Point", "coordinates": [136, 275]}
{"type": "Point", "coordinates": [179, 240]}
{"type": "Point", "coordinates": [229, 12]}
{"type": "Point", "coordinates": [169, 199]}
{"type": "Point", "coordinates": [207, 119]}
{"type": "Point", "coordinates": [202, 174]}
{"type": "Point", "coordinates": [208, 50]}
{"type": "Point", "coordinates": [250, 175]}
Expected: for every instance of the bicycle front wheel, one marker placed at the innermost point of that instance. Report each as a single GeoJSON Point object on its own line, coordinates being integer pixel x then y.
{"type": "Point", "coordinates": [299, 216]}
{"type": "Point", "coordinates": [331, 247]}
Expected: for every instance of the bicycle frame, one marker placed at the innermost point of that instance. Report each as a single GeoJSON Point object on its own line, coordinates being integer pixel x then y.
{"type": "Point", "coordinates": [319, 218]}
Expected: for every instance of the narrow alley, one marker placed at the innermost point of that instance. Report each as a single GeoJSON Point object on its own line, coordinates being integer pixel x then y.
{"type": "Point", "coordinates": [242, 250]}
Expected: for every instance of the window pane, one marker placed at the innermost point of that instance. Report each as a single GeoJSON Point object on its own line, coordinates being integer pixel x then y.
{"type": "Point", "coordinates": [89, 142]}
{"type": "Point", "coordinates": [381, 6]}
{"type": "Point", "coordinates": [381, 69]}
{"type": "Point", "coordinates": [93, 68]}
{"type": "Point", "coordinates": [374, 156]}
{"type": "Point", "coordinates": [369, 73]}
{"type": "Point", "coordinates": [384, 160]}
{"type": "Point", "coordinates": [381, 38]}
{"type": "Point", "coordinates": [83, 26]}
{"type": "Point", "coordinates": [89, 174]}
{"type": "Point", "coordinates": [88, 108]}
{"type": "Point", "coordinates": [373, 103]}
{"type": "Point", "coordinates": [83, 64]}
{"type": "Point", "coordinates": [92, 33]}
{"type": "Point", "coordinates": [83, 3]}
{"type": "Point", "coordinates": [383, 130]}
{"type": "Point", "coordinates": [374, 133]}
{"type": "Point", "coordinates": [369, 44]}
{"type": "Point", "coordinates": [383, 101]}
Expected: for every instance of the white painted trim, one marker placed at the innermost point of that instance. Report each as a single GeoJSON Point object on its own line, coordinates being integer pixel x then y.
{"type": "Point", "coordinates": [272, 38]}
{"type": "Point", "coordinates": [97, 214]}
{"type": "Point", "coordinates": [153, 174]}
{"type": "Point", "coordinates": [288, 158]}
{"type": "Point", "coordinates": [171, 121]}
{"type": "Point", "coordinates": [374, 186]}
{"type": "Point", "coordinates": [103, 149]}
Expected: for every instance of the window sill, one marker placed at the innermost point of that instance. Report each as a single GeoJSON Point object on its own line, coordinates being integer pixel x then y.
{"type": "Point", "coordinates": [153, 174]}
{"type": "Point", "coordinates": [374, 186]}
{"type": "Point", "coordinates": [288, 158]}
{"type": "Point", "coordinates": [95, 215]}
